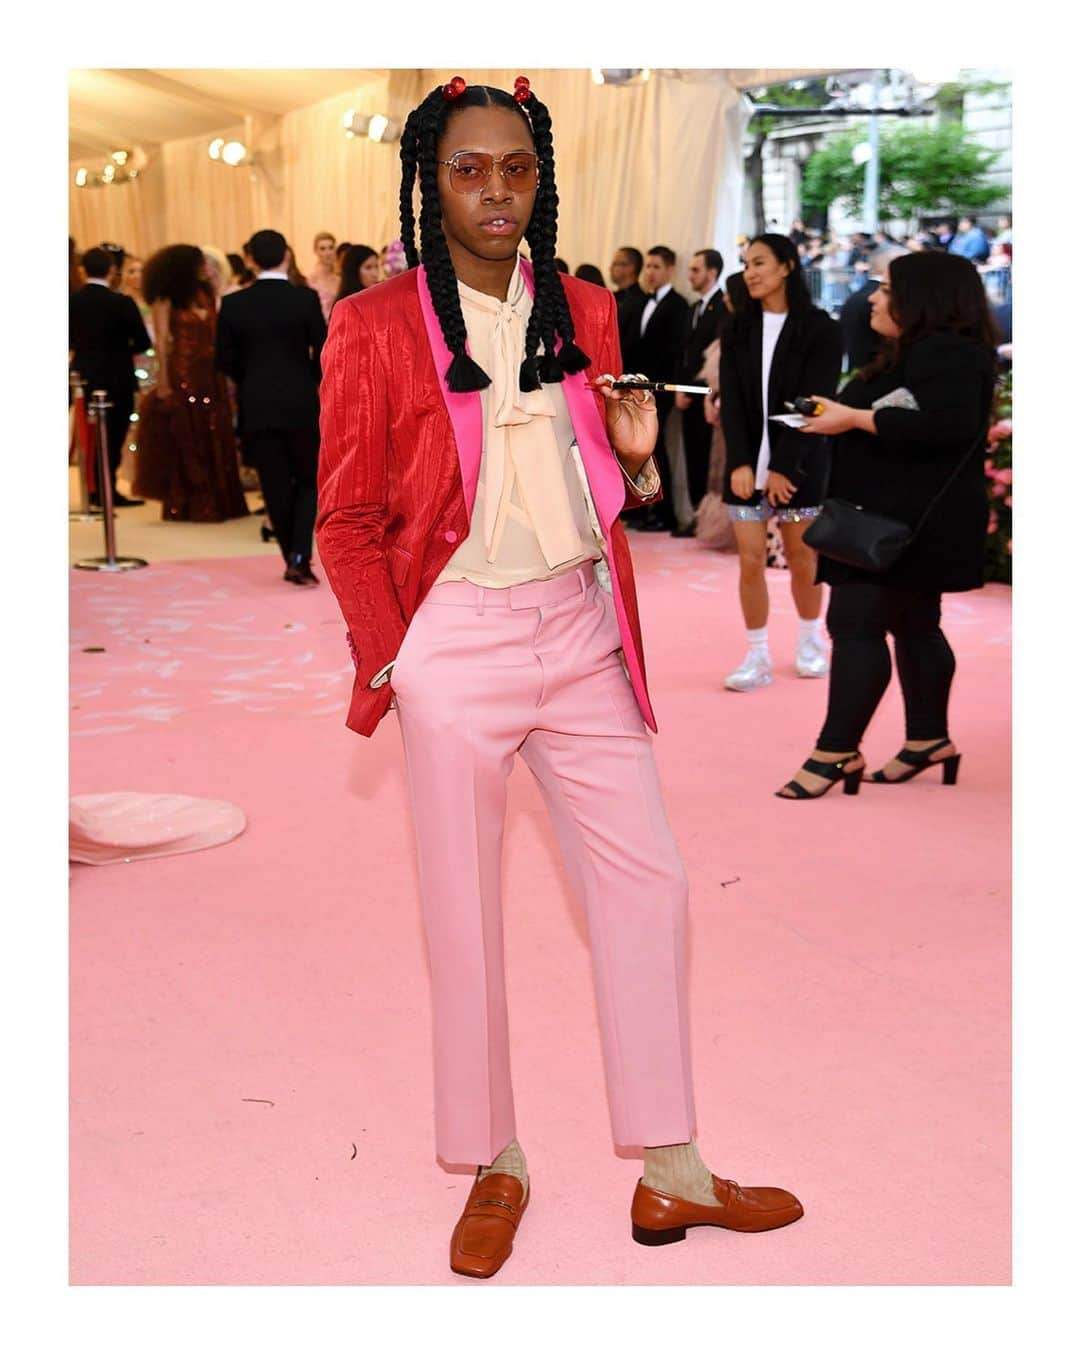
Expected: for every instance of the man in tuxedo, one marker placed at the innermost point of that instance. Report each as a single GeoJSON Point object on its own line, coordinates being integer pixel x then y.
{"type": "Point", "coordinates": [269, 340]}
{"type": "Point", "coordinates": [706, 267]}
{"type": "Point", "coordinates": [657, 351]}
{"type": "Point", "coordinates": [105, 331]}
{"type": "Point", "coordinates": [629, 297]}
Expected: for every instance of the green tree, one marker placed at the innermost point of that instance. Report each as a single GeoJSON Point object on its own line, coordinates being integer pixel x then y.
{"type": "Point", "coordinates": [808, 94]}
{"type": "Point", "coordinates": [923, 171]}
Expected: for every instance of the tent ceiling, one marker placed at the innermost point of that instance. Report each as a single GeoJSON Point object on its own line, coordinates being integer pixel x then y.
{"type": "Point", "coordinates": [117, 109]}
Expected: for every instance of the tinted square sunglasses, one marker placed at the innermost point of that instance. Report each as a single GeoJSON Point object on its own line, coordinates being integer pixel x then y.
{"type": "Point", "coordinates": [471, 170]}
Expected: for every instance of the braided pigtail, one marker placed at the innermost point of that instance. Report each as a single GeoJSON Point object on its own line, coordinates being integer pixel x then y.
{"type": "Point", "coordinates": [541, 237]}
{"type": "Point", "coordinates": [409, 141]}
{"type": "Point", "coordinates": [463, 374]}
{"type": "Point", "coordinates": [550, 305]}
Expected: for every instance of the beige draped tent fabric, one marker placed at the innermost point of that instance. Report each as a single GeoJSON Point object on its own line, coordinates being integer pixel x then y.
{"type": "Point", "coordinates": [641, 164]}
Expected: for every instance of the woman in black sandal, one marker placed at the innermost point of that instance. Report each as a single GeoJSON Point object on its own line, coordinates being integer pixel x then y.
{"type": "Point", "coordinates": [903, 426]}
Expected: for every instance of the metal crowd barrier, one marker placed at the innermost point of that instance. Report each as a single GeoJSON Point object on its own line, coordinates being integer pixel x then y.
{"type": "Point", "coordinates": [110, 563]}
{"type": "Point", "coordinates": [830, 287]}
{"type": "Point", "coordinates": [79, 450]}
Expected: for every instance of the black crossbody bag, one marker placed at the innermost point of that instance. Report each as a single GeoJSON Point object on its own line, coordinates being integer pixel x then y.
{"type": "Point", "coordinates": [866, 539]}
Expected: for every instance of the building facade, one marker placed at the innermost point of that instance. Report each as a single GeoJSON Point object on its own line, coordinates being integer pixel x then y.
{"type": "Point", "coordinates": [986, 117]}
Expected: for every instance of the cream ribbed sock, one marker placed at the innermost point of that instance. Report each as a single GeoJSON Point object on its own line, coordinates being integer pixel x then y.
{"type": "Point", "coordinates": [511, 1161]}
{"type": "Point", "coordinates": [678, 1170]}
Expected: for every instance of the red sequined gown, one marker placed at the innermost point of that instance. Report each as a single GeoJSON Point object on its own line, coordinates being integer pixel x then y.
{"type": "Point", "coordinates": [186, 456]}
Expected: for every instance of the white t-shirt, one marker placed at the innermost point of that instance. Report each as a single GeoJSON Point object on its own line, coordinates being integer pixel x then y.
{"type": "Point", "coordinates": [770, 335]}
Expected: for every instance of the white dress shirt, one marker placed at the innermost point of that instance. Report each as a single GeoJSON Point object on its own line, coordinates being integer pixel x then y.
{"type": "Point", "coordinates": [702, 304]}
{"type": "Point", "coordinates": [650, 306]}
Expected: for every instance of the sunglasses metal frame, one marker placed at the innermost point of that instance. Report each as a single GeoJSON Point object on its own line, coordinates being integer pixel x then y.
{"type": "Point", "coordinates": [497, 161]}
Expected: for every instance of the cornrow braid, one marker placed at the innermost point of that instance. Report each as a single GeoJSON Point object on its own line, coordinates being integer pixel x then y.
{"type": "Point", "coordinates": [550, 318]}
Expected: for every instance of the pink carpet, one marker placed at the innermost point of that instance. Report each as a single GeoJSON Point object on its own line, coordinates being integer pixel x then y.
{"type": "Point", "coordinates": [251, 1098]}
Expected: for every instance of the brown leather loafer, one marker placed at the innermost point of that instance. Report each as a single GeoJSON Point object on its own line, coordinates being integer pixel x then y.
{"type": "Point", "coordinates": [657, 1218]}
{"type": "Point", "coordinates": [484, 1235]}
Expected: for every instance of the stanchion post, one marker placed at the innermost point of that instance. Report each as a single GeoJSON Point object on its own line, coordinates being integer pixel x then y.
{"type": "Point", "coordinates": [110, 563]}
{"type": "Point", "coordinates": [85, 511]}
{"type": "Point", "coordinates": [99, 402]}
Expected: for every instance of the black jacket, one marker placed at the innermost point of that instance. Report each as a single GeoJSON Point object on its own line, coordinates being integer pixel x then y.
{"type": "Point", "coordinates": [658, 353]}
{"type": "Point", "coordinates": [105, 331]}
{"type": "Point", "coordinates": [898, 471]}
{"type": "Point", "coordinates": [861, 343]}
{"type": "Point", "coordinates": [700, 335]}
{"type": "Point", "coordinates": [806, 361]}
{"type": "Point", "coordinates": [269, 340]}
{"type": "Point", "coordinates": [629, 302]}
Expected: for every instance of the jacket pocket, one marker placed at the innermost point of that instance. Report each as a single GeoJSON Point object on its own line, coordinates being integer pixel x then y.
{"type": "Point", "coordinates": [400, 562]}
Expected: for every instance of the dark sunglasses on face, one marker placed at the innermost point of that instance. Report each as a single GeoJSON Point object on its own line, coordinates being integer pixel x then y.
{"type": "Point", "coordinates": [471, 170]}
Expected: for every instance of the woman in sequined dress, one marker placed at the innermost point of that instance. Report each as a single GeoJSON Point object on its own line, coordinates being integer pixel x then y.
{"type": "Point", "coordinates": [187, 450]}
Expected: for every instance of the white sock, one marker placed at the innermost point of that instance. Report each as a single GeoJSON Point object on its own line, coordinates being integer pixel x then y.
{"type": "Point", "coordinates": [809, 630]}
{"type": "Point", "coordinates": [757, 639]}
{"type": "Point", "coordinates": [512, 1162]}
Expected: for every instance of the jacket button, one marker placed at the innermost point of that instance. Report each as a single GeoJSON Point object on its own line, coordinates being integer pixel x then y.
{"type": "Point", "coordinates": [450, 536]}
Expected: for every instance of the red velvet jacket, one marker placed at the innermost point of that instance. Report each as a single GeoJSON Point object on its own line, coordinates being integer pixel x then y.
{"type": "Point", "coordinates": [399, 464]}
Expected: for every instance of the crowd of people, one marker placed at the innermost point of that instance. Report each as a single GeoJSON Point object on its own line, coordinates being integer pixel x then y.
{"type": "Point", "coordinates": [160, 336]}
{"type": "Point", "coordinates": [197, 452]}
{"type": "Point", "coordinates": [836, 265]}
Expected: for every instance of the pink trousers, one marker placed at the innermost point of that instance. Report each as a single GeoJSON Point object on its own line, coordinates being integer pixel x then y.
{"type": "Point", "coordinates": [483, 674]}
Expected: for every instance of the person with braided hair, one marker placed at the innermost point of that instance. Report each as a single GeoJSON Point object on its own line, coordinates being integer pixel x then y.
{"type": "Point", "coordinates": [475, 460]}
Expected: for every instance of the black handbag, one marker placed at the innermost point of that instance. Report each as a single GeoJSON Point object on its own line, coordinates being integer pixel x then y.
{"type": "Point", "coordinates": [850, 534]}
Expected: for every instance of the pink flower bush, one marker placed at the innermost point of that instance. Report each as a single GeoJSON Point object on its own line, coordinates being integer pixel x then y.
{"type": "Point", "coordinates": [1000, 430]}
{"type": "Point", "coordinates": [999, 477]}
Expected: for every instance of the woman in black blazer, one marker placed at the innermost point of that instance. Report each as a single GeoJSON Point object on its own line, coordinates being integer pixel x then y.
{"type": "Point", "coordinates": [772, 471]}
{"type": "Point", "coordinates": [936, 370]}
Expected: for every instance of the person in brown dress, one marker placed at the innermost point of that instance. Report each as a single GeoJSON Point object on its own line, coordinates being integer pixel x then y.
{"type": "Point", "coordinates": [187, 456]}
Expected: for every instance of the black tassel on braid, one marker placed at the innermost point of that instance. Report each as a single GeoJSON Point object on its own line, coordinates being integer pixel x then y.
{"type": "Point", "coordinates": [550, 319]}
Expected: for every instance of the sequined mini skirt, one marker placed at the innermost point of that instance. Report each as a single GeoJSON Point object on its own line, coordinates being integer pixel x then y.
{"type": "Point", "coordinates": [764, 511]}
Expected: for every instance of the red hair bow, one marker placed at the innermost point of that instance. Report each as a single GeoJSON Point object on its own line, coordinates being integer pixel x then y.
{"type": "Point", "coordinates": [454, 89]}
{"type": "Point", "coordinates": [521, 89]}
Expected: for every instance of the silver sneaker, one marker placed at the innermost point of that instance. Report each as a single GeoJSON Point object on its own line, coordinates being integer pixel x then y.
{"type": "Point", "coordinates": [811, 661]}
{"type": "Point", "coordinates": [754, 672]}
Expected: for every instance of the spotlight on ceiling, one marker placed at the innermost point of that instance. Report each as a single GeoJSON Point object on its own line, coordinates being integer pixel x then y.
{"type": "Point", "coordinates": [620, 77]}
{"type": "Point", "coordinates": [215, 148]}
{"type": "Point", "coordinates": [382, 128]}
{"type": "Point", "coordinates": [80, 177]}
{"type": "Point", "coordinates": [356, 123]}
{"type": "Point", "coordinates": [234, 152]}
